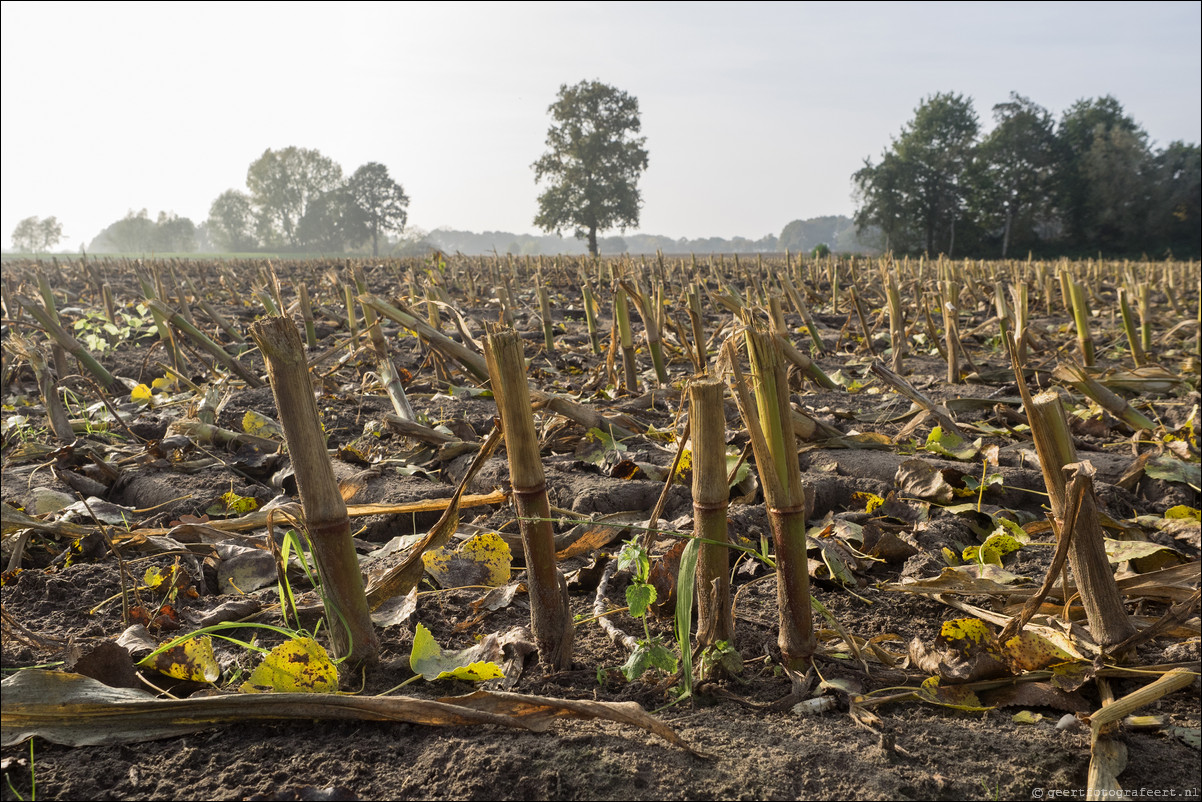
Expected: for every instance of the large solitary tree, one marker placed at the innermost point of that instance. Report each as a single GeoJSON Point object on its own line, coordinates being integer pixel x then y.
{"type": "Point", "coordinates": [593, 162]}
{"type": "Point", "coordinates": [381, 202]}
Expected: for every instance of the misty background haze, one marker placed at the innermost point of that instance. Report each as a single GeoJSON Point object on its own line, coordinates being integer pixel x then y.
{"type": "Point", "coordinates": [756, 114]}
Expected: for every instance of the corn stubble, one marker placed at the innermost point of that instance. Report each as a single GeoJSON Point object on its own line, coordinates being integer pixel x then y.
{"type": "Point", "coordinates": [326, 520]}
{"type": "Point", "coordinates": [550, 618]}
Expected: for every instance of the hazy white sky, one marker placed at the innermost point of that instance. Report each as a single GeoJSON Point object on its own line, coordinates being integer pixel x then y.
{"type": "Point", "coordinates": [755, 113]}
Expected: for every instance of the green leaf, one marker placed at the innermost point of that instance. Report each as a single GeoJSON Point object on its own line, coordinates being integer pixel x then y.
{"type": "Point", "coordinates": [684, 609]}
{"type": "Point", "coordinates": [1118, 551]}
{"type": "Point", "coordinates": [632, 554]}
{"type": "Point", "coordinates": [744, 468]}
{"type": "Point", "coordinates": [607, 441]}
{"type": "Point", "coordinates": [639, 597]}
{"type": "Point", "coordinates": [646, 656]}
{"type": "Point", "coordinates": [950, 444]}
{"type": "Point", "coordinates": [1171, 469]}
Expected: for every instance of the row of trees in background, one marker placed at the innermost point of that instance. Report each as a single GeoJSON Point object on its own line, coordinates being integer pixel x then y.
{"type": "Point", "coordinates": [1091, 182]}
{"type": "Point", "coordinates": [138, 233]}
{"type": "Point", "coordinates": [838, 232]}
{"type": "Point", "coordinates": [37, 235]}
{"type": "Point", "coordinates": [298, 200]}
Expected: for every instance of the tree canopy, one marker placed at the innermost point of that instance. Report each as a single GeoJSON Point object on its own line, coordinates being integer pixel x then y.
{"type": "Point", "coordinates": [593, 162]}
{"type": "Point", "coordinates": [283, 184]}
{"type": "Point", "coordinates": [1090, 183]}
{"type": "Point", "coordinates": [380, 201]}
{"type": "Point", "coordinates": [231, 223]}
{"type": "Point", "coordinates": [138, 233]}
{"type": "Point", "coordinates": [917, 194]}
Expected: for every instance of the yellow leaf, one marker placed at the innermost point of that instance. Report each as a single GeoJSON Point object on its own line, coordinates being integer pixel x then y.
{"type": "Point", "coordinates": [191, 660]}
{"type": "Point", "coordinates": [1030, 651]}
{"type": "Point", "coordinates": [429, 660]}
{"type": "Point", "coordinates": [971, 637]}
{"type": "Point", "coordinates": [484, 559]}
{"type": "Point", "coordinates": [1027, 717]}
{"type": "Point", "coordinates": [240, 504]}
{"type": "Point", "coordinates": [1185, 512]}
{"type": "Point", "coordinates": [1070, 676]}
{"type": "Point", "coordinates": [972, 630]}
{"type": "Point", "coordinates": [164, 384]}
{"type": "Point", "coordinates": [684, 466]}
{"type": "Point", "coordinates": [993, 549]}
{"type": "Point", "coordinates": [261, 425]}
{"type": "Point", "coordinates": [871, 500]}
{"type": "Point", "coordinates": [153, 578]}
{"type": "Point", "coordinates": [299, 665]}
{"type": "Point", "coordinates": [141, 394]}
{"type": "Point", "coordinates": [953, 696]}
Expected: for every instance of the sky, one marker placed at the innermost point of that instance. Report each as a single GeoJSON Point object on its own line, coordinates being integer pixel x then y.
{"type": "Point", "coordinates": [755, 114]}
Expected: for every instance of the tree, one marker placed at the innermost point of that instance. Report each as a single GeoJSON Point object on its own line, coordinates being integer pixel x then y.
{"type": "Point", "coordinates": [800, 236]}
{"type": "Point", "coordinates": [35, 235]}
{"type": "Point", "coordinates": [916, 195]}
{"type": "Point", "coordinates": [1011, 178]}
{"type": "Point", "coordinates": [1081, 178]}
{"type": "Point", "coordinates": [380, 200]}
{"type": "Point", "coordinates": [25, 235]}
{"type": "Point", "coordinates": [332, 222]}
{"type": "Point", "coordinates": [1175, 221]}
{"type": "Point", "coordinates": [282, 184]}
{"type": "Point", "coordinates": [50, 233]}
{"type": "Point", "coordinates": [133, 233]}
{"type": "Point", "coordinates": [231, 223]}
{"type": "Point", "coordinates": [137, 233]}
{"type": "Point", "coordinates": [593, 162]}
{"type": "Point", "coordinates": [173, 234]}
{"type": "Point", "coordinates": [882, 199]}
{"type": "Point", "coordinates": [1117, 170]}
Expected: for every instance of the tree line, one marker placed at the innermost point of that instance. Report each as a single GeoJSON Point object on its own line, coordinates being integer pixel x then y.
{"type": "Point", "coordinates": [1089, 183]}
{"type": "Point", "coordinates": [296, 200]}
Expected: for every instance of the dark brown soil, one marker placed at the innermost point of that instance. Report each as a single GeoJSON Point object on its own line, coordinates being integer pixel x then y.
{"type": "Point", "coordinates": [67, 596]}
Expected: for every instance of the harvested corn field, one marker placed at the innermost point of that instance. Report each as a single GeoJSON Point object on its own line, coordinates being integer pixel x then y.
{"type": "Point", "coordinates": [655, 528]}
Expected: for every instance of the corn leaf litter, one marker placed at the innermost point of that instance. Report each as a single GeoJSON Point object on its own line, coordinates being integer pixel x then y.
{"type": "Point", "coordinates": [75, 710]}
{"type": "Point", "coordinates": [967, 650]}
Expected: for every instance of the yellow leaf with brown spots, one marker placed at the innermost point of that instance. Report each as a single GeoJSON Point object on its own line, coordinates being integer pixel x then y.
{"type": "Point", "coordinates": [300, 665]}
{"type": "Point", "coordinates": [191, 660]}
